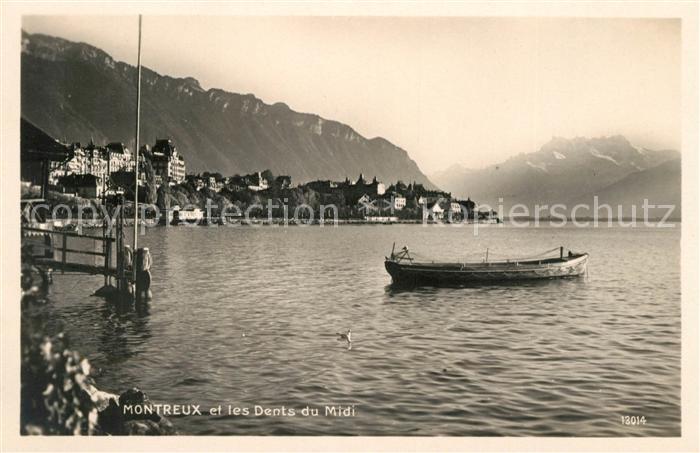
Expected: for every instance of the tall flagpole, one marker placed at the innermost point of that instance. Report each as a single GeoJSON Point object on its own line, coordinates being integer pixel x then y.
{"type": "Point", "coordinates": [136, 165]}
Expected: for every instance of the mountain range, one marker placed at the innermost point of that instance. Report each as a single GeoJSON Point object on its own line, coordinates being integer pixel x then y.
{"type": "Point", "coordinates": [573, 171]}
{"type": "Point", "coordinates": [77, 92]}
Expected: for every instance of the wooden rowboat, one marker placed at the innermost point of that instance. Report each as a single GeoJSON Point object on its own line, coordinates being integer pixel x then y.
{"type": "Point", "coordinates": [405, 270]}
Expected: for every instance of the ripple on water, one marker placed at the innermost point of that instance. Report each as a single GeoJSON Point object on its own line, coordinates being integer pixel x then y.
{"type": "Point", "coordinates": [248, 316]}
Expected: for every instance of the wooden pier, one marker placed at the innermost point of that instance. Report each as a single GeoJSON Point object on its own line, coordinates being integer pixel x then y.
{"type": "Point", "coordinates": [131, 271]}
{"type": "Point", "coordinates": [61, 247]}
{"type": "Point", "coordinates": [107, 254]}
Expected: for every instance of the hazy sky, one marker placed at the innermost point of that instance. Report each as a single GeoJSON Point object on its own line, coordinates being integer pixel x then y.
{"type": "Point", "coordinates": [472, 91]}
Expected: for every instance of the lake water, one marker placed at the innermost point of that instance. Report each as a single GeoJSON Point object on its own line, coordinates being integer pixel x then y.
{"type": "Point", "coordinates": [247, 316]}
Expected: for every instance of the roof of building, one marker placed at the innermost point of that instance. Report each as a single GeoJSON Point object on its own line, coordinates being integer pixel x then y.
{"type": "Point", "coordinates": [436, 205]}
{"type": "Point", "coordinates": [74, 180]}
{"type": "Point", "coordinates": [117, 147]}
{"type": "Point", "coordinates": [37, 145]}
{"type": "Point", "coordinates": [165, 146]}
{"type": "Point", "coordinates": [468, 202]}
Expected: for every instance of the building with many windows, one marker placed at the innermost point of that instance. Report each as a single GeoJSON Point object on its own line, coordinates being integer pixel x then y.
{"type": "Point", "coordinates": [257, 182]}
{"type": "Point", "coordinates": [99, 161]}
{"type": "Point", "coordinates": [119, 157]}
{"type": "Point", "coordinates": [95, 161]}
{"type": "Point", "coordinates": [168, 164]}
{"type": "Point", "coordinates": [75, 164]}
{"type": "Point", "coordinates": [375, 187]}
{"type": "Point", "coordinates": [398, 201]}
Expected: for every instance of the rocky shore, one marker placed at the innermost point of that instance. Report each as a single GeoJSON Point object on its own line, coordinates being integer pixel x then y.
{"type": "Point", "coordinates": [59, 396]}
{"type": "Point", "coordinates": [113, 420]}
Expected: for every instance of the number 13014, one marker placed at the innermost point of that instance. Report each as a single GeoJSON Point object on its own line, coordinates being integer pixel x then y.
{"type": "Point", "coordinates": [633, 420]}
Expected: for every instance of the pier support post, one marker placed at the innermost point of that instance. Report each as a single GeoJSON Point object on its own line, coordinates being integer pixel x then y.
{"type": "Point", "coordinates": [64, 246]}
{"type": "Point", "coordinates": [143, 274]}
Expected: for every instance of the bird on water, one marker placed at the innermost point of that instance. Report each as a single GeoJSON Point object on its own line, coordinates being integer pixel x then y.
{"type": "Point", "coordinates": [346, 337]}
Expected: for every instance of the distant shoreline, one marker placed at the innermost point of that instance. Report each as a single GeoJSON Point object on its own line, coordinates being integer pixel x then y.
{"type": "Point", "coordinates": [357, 222]}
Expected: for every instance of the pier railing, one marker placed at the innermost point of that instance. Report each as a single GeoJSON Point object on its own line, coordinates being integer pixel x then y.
{"type": "Point", "coordinates": [61, 244]}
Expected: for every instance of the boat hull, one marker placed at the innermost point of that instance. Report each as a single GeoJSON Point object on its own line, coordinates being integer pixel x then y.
{"type": "Point", "coordinates": [430, 274]}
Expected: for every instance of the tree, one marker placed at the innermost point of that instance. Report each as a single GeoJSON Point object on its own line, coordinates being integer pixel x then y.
{"type": "Point", "coordinates": [150, 182]}
{"type": "Point", "coordinates": [163, 197]}
{"type": "Point", "coordinates": [267, 174]}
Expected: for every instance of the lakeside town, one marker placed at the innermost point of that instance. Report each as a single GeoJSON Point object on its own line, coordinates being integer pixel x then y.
{"type": "Point", "coordinates": [141, 313]}
{"type": "Point", "coordinates": [80, 175]}
{"type": "Point", "coordinates": [68, 178]}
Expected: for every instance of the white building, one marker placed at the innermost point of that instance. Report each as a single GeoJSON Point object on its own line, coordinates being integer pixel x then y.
{"type": "Point", "coordinates": [380, 219]}
{"type": "Point", "coordinates": [398, 202]}
{"type": "Point", "coordinates": [260, 184]}
{"type": "Point", "coordinates": [119, 157]}
{"type": "Point", "coordinates": [168, 164]}
{"type": "Point", "coordinates": [190, 214]}
{"type": "Point", "coordinates": [435, 211]}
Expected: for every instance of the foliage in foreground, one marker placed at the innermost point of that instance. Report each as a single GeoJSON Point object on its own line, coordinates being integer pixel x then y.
{"type": "Point", "coordinates": [56, 392]}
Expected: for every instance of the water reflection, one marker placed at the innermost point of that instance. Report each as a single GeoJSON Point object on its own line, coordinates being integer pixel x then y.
{"type": "Point", "coordinates": [124, 328]}
{"type": "Point", "coordinates": [248, 315]}
{"type": "Point", "coordinates": [392, 290]}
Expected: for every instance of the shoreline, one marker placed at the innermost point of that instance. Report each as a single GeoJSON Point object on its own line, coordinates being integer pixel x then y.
{"type": "Point", "coordinates": [71, 225]}
{"type": "Point", "coordinates": [59, 392]}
